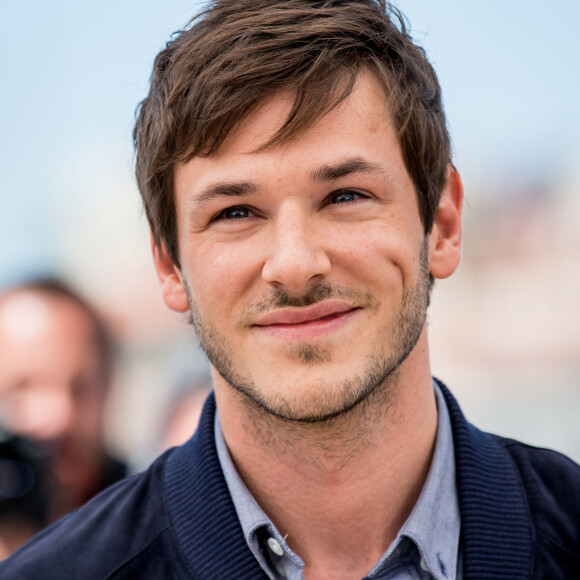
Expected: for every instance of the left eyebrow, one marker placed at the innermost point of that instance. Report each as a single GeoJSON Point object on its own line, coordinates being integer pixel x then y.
{"type": "Point", "coordinates": [354, 165]}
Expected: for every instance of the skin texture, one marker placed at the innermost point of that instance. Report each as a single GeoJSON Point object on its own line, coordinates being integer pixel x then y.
{"type": "Point", "coordinates": [305, 272]}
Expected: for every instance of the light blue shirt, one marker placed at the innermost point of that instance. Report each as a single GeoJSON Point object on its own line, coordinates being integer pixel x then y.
{"type": "Point", "coordinates": [426, 547]}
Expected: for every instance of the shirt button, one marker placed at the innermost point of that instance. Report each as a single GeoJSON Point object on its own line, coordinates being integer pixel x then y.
{"type": "Point", "coordinates": [275, 546]}
{"type": "Point", "coordinates": [423, 565]}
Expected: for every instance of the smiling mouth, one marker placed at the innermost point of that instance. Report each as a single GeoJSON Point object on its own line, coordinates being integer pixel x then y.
{"type": "Point", "coordinates": [311, 320]}
{"type": "Point", "coordinates": [308, 323]}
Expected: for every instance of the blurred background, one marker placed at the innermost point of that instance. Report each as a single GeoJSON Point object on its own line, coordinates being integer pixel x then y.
{"type": "Point", "coordinates": [505, 330]}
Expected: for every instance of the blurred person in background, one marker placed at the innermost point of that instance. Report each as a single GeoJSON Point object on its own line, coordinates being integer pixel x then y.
{"type": "Point", "coordinates": [183, 413]}
{"type": "Point", "coordinates": [295, 165]}
{"type": "Point", "coordinates": [56, 362]}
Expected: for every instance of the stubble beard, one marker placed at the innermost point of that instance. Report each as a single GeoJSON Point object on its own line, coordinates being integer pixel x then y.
{"type": "Point", "coordinates": [325, 401]}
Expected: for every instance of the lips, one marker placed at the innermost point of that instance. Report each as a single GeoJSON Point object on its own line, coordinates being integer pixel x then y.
{"type": "Point", "coordinates": [305, 315]}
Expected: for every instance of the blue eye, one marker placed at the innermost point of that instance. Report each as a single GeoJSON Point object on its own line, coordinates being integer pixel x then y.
{"type": "Point", "coordinates": [234, 213]}
{"type": "Point", "coordinates": [345, 196]}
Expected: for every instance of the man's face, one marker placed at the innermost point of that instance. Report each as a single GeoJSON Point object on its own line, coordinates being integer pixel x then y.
{"type": "Point", "coordinates": [305, 264]}
{"type": "Point", "coordinates": [52, 385]}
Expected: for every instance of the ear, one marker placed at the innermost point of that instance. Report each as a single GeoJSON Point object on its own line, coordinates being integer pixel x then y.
{"type": "Point", "coordinates": [446, 235]}
{"type": "Point", "coordinates": [170, 278]}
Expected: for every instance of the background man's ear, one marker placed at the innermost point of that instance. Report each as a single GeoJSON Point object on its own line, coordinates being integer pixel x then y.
{"type": "Point", "coordinates": [172, 286]}
{"type": "Point", "coordinates": [446, 235]}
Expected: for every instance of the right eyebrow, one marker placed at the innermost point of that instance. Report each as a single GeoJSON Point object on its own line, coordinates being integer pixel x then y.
{"type": "Point", "coordinates": [231, 189]}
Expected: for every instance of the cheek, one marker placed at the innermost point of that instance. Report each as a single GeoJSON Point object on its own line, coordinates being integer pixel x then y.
{"type": "Point", "coordinates": [220, 274]}
{"type": "Point", "coordinates": [90, 415]}
{"type": "Point", "coordinates": [379, 252]}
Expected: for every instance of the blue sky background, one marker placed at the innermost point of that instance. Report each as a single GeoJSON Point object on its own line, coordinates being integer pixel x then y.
{"type": "Point", "coordinates": [73, 72]}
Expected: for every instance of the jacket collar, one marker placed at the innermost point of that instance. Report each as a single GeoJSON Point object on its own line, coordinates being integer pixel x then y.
{"type": "Point", "coordinates": [201, 510]}
{"type": "Point", "coordinates": [496, 537]}
{"type": "Point", "coordinates": [496, 534]}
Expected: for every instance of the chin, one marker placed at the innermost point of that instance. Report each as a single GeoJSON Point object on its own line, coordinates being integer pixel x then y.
{"type": "Point", "coordinates": [317, 394]}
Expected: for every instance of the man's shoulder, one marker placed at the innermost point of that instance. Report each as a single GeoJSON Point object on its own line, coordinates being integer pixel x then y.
{"type": "Point", "coordinates": [520, 505]}
{"type": "Point", "coordinates": [551, 482]}
{"type": "Point", "coordinates": [123, 532]}
{"type": "Point", "coordinates": [546, 464]}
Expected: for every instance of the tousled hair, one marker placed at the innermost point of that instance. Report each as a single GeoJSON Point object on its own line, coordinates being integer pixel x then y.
{"type": "Point", "coordinates": [236, 53]}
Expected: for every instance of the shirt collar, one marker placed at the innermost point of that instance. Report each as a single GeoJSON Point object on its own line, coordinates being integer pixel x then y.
{"type": "Point", "coordinates": [433, 525]}
{"type": "Point", "coordinates": [250, 514]}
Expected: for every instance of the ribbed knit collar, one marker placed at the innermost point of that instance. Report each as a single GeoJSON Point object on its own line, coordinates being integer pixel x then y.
{"type": "Point", "coordinates": [496, 532]}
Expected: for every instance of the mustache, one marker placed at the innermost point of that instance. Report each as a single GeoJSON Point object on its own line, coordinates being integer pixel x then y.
{"type": "Point", "coordinates": [280, 298]}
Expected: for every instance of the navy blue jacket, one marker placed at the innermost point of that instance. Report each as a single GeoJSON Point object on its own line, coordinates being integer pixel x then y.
{"type": "Point", "coordinates": [520, 518]}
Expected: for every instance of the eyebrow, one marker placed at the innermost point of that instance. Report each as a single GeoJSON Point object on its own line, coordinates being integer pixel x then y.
{"type": "Point", "coordinates": [234, 189]}
{"type": "Point", "coordinates": [323, 173]}
{"type": "Point", "coordinates": [354, 165]}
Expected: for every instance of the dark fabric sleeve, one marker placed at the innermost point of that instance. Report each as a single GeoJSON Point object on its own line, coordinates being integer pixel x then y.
{"type": "Point", "coordinates": [122, 533]}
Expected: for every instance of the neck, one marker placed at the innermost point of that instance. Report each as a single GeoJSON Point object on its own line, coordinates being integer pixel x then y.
{"type": "Point", "coordinates": [341, 489]}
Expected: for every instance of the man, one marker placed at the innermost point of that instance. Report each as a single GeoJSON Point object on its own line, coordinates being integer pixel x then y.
{"type": "Point", "coordinates": [295, 168]}
{"type": "Point", "coordinates": [55, 374]}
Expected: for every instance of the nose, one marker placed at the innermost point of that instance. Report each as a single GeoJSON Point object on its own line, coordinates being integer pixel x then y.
{"type": "Point", "coordinates": [296, 257]}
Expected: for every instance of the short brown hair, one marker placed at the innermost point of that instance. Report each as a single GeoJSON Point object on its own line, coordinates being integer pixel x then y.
{"type": "Point", "coordinates": [236, 53]}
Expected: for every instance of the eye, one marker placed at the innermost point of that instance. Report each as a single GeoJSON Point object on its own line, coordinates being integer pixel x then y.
{"type": "Point", "coordinates": [345, 196]}
{"type": "Point", "coordinates": [234, 213]}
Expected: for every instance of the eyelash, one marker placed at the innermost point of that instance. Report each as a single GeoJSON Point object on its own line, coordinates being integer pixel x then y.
{"type": "Point", "coordinates": [329, 201]}
{"type": "Point", "coordinates": [221, 214]}
{"type": "Point", "coordinates": [339, 192]}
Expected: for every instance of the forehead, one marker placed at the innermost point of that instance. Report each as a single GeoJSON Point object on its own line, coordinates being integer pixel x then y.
{"type": "Point", "coordinates": [44, 336]}
{"type": "Point", "coordinates": [359, 127]}
{"type": "Point", "coordinates": [366, 102]}
{"type": "Point", "coordinates": [29, 315]}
